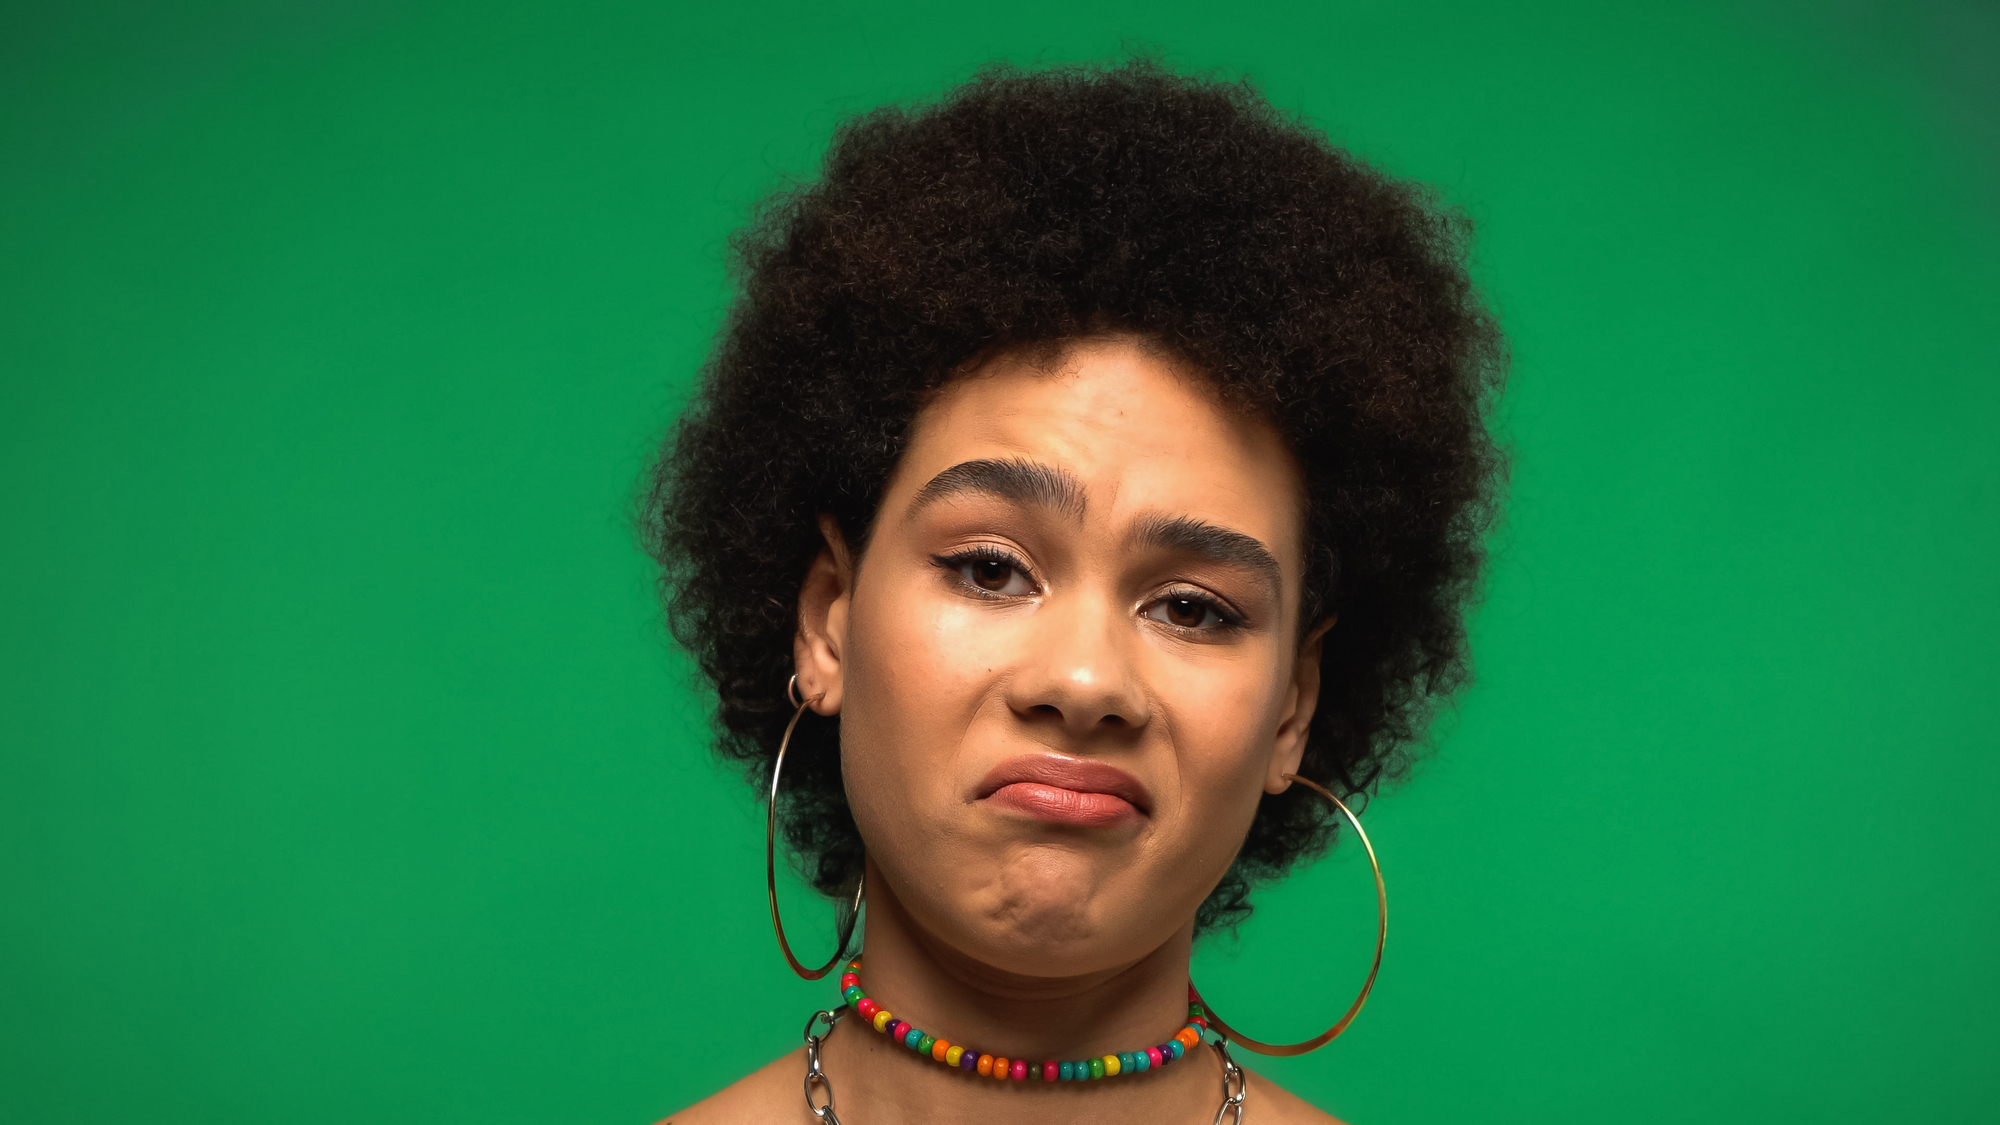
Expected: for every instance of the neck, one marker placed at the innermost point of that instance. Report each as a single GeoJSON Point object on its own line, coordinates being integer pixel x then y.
{"type": "Point", "coordinates": [920, 978]}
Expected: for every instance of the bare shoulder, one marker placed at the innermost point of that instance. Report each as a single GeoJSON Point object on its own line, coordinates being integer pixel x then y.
{"type": "Point", "coordinates": [1271, 1104]}
{"type": "Point", "coordinates": [766, 1095]}
{"type": "Point", "coordinates": [772, 1094]}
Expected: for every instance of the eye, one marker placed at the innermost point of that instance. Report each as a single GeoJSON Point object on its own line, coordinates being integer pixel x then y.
{"type": "Point", "coordinates": [995, 576]}
{"type": "Point", "coordinates": [1185, 612]}
{"type": "Point", "coordinates": [990, 572]}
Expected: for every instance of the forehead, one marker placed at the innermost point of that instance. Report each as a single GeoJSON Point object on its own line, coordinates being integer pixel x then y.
{"type": "Point", "coordinates": [1141, 437]}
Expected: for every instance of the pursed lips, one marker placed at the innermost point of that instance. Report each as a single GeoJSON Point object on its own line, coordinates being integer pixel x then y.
{"type": "Point", "coordinates": [1073, 791]}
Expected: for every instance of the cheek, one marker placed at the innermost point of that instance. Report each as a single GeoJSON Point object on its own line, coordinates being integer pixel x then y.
{"type": "Point", "coordinates": [923, 668]}
{"type": "Point", "coordinates": [1224, 718]}
{"type": "Point", "coordinates": [914, 681]}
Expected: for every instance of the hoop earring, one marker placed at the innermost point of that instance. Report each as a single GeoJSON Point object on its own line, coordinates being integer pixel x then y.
{"type": "Point", "coordinates": [1381, 937]}
{"type": "Point", "coordinates": [771, 854]}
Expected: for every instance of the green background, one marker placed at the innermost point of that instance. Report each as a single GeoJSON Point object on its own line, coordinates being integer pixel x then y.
{"type": "Point", "coordinates": [348, 774]}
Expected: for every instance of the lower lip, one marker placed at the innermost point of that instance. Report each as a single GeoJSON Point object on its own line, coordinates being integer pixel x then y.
{"type": "Point", "coordinates": [1065, 806]}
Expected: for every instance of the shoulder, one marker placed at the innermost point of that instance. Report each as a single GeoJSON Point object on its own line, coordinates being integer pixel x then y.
{"type": "Point", "coordinates": [772, 1094]}
{"type": "Point", "coordinates": [767, 1095]}
{"type": "Point", "coordinates": [1272, 1104]}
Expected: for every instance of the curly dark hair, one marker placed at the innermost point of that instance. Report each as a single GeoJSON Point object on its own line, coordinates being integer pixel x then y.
{"type": "Point", "coordinates": [1025, 209]}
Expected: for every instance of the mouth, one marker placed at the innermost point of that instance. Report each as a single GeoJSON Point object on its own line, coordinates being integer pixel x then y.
{"type": "Point", "coordinates": [1071, 791]}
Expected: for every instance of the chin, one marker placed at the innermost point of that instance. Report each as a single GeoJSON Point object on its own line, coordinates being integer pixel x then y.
{"type": "Point", "coordinates": [1041, 917]}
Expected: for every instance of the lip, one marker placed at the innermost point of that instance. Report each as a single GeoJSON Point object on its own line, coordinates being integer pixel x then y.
{"type": "Point", "coordinates": [1073, 791]}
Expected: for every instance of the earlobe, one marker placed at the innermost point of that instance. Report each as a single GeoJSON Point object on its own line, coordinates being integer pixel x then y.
{"type": "Point", "coordinates": [824, 600]}
{"type": "Point", "coordinates": [1289, 747]}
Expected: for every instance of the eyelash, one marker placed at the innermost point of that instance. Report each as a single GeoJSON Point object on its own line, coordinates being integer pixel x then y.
{"type": "Point", "coordinates": [951, 563]}
{"type": "Point", "coordinates": [1228, 620]}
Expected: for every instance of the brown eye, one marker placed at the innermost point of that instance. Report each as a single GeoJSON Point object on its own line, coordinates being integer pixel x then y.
{"type": "Point", "coordinates": [1185, 613]}
{"type": "Point", "coordinates": [988, 574]}
{"type": "Point", "coordinates": [1193, 614]}
{"type": "Point", "coordinates": [992, 575]}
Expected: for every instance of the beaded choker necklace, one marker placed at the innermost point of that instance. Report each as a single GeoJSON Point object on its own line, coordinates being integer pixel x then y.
{"type": "Point", "coordinates": [1019, 1070]}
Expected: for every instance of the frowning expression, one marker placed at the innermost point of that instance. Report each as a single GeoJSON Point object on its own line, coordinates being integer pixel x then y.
{"type": "Point", "coordinates": [1069, 662]}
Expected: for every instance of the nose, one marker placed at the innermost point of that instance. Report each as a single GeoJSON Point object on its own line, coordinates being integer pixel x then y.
{"type": "Point", "coordinates": [1078, 670]}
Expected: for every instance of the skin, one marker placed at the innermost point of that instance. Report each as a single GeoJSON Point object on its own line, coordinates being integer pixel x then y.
{"type": "Point", "coordinates": [1096, 561]}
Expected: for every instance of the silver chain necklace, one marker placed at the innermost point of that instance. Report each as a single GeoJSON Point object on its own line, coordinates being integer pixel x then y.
{"type": "Point", "coordinates": [1234, 1088]}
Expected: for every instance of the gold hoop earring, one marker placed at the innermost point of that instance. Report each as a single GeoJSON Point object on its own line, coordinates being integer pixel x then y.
{"type": "Point", "coordinates": [771, 854]}
{"type": "Point", "coordinates": [1381, 937]}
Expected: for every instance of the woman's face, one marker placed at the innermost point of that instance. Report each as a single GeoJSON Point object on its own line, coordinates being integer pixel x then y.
{"type": "Point", "coordinates": [1069, 662]}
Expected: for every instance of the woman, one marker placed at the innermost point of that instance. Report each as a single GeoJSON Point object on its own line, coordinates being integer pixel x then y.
{"type": "Point", "coordinates": [1089, 456]}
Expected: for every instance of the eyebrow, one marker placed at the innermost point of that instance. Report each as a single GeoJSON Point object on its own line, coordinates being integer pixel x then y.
{"type": "Point", "coordinates": [1021, 481]}
{"type": "Point", "coordinates": [1216, 544]}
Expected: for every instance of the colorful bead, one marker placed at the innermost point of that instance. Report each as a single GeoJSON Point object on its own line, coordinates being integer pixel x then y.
{"type": "Point", "coordinates": [1021, 1070]}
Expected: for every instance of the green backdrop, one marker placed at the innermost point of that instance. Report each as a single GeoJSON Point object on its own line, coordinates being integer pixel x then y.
{"type": "Point", "coordinates": [348, 774]}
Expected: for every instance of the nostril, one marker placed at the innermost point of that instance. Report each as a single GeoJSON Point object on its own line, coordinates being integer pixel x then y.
{"type": "Point", "coordinates": [1045, 709]}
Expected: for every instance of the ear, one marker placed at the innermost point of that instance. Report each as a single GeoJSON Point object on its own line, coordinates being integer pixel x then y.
{"type": "Point", "coordinates": [1303, 698]}
{"type": "Point", "coordinates": [824, 600]}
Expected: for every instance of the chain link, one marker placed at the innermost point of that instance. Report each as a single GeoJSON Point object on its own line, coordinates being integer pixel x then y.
{"type": "Point", "coordinates": [813, 1073]}
{"type": "Point", "coordinates": [1232, 1075]}
{"type": "Point", "coordinates": [1235, 1088]}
